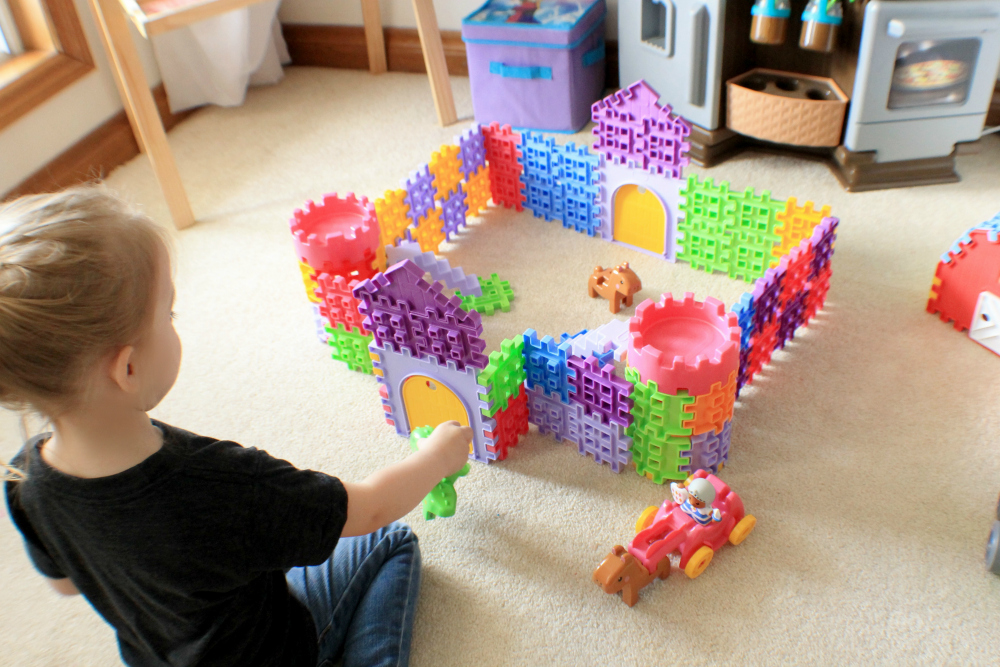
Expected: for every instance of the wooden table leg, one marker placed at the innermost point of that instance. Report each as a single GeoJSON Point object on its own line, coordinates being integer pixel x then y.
{"type": "Point", "coordinates": [437, 67]}
{"type": "Point", "coordinates": [374, 37]}
{"type": "Point", "coordinates": [146, 121]}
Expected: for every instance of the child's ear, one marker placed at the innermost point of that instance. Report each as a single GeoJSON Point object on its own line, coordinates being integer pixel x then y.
{"type": "Point", "coordinates": [122, 370]}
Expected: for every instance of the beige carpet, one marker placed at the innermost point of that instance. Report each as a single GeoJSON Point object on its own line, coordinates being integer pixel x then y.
{"type": "Point", "coordinates": [867, 450]}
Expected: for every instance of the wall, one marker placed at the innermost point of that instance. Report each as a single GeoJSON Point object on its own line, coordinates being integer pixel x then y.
{"type": "Point", "coordinates": [38, 137]}
{"type": "Point", "coordinates": [399, 13]}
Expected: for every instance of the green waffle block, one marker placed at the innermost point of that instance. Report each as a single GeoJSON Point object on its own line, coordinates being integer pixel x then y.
{"type": "Point", "coordinates": [496, 294]}
{"type": "Point", "coordinates": [442, 501]}
{"type": "Point", "coordinates": [653, 408]}
{"type": "Point", "coordinates": [660, 457]}
{"type": "Point", "coordinates": [503, 376]}
{"type": "Point", "coordinates": [351, 348]}
{"type": "Point", "coordinates": [727, 231]}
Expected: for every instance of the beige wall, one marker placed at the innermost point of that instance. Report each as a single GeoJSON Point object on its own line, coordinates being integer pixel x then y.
{"type": "Point", "coordinates": [38, 137]}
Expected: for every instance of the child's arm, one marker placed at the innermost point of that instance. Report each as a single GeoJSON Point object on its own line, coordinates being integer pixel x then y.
{"type": "Point", "coordinates": [390, 493]}
{"type": "Point", "coordinates": [63, 586]}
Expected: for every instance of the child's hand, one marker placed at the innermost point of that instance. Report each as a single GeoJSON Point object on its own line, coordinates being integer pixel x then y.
{"type": "Point", "coordinates": [450, 442]}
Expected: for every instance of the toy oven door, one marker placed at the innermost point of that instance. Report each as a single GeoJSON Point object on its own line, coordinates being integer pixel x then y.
{"type": "Point", "coordinates": [926, 59]}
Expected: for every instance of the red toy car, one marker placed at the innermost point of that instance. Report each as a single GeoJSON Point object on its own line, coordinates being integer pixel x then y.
{"type": "Point", "coordinates": [667, 529]}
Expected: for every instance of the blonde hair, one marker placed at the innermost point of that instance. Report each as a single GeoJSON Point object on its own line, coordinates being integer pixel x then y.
{"type": "Point", "coordinates": [77, 277]}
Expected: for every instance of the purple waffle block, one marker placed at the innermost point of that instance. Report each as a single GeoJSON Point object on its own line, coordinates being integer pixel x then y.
{"type": "Point", "coordinates": [472, 151]}
{"type": "Point", "coordinates": [822, 241]}
{"type": "Point", "coordinates": [602, 393]}
{"type": "Point", "coordinates": [420, 193]}
{"type": "Point", "coordinates": [403, 309]}
{"type": "Point", "coordinates": [744, 363]}
{"type": "Point", "coordinates": [709, 450]}
{"type": "Point", "coordinates": [766, 298]}
{"type": "Point", "coordinates": [453, 215]}
{"type": "Point", "coordinates": [606, 442]}
{"type": "Point", "coordinates": [631, 125]}
{"type": "Point", "coordinates": [792, 317]}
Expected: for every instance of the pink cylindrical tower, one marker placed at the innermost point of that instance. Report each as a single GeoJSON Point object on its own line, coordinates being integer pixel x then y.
{"type": "Point", "coordinates": [339, 236]}
{"type": "Point", "coordinates": [684, 344]}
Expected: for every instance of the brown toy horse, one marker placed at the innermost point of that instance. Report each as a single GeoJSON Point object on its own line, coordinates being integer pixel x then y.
{"type": "Point", "coordinates": [617, 284]}
{"type": "Point", "coordinates": [621, 571]}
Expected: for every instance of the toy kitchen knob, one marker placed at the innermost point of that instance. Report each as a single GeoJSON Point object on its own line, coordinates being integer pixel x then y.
{"type": "Point", "coordinates": [770, 21]}
{"type": "Point", "coordinates": [820, 21]}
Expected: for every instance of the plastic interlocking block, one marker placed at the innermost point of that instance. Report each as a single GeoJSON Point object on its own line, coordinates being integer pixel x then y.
{"type": "Point", "coordinates": [503, 376]}
{"type": "Point", "coordinates": [709, 451]}
{"type": "Point", "coordinates": [601, 391]}
{"type": "Point", "coordinates": [684, 343]}
{"type": "Point", "coordinates": [764, 344]}
{"type": "Point", "coordinates": [744, 376]}
{"type": "Point", "coordinates": [453, 212]}
{"type": "Point", "coordinates": [403, 309]}
{"type": "Point", "coordinates": [339, 306]}
{"type": "Point", "coordinates": [472, 151]}
{"type": "Point", "coordinates": [503, 155]}
{"type": "Point", "coordinates": [711, 411]}
{"type": "Point", "coordinates": [309, 280]}
{"type": "Point", "coordinates": [339, 235]}
{"type": "Point", "coordinates": [609, 337]}
{"type": "Point", "coordinates": [351, 348]}
{"type": "Point", "coordinates": [393, 216]}
{"type": "Point", "coordinates": [394, 366]}
{"type": "Point", "coordinates": [816, 297]}
{"type": "Point", "coordinates": [320, 322]}
{"type": "Point", "coordinates": [429, 231]}
{"type": "Point", "coordinates": [658, 457]}
{"type": "Point", "coordinates": [446, 167]}
{"type": "Point", "coordinates": [496, 294]}
{"type": "Point", "coordinates": [656, 411]}
{"type": "Point", "coordinates": [539, 155]}
{"type": "Point", "coordinates": [795, 224]}
{"type": "Point", "coordinates": [511, 424]}
{"type": "Point", "coordinates": [767, 298]}
{"type": "Point", "coordinates": [545, 364]}
{"type": "Point", "coordinates": [744, 310]}
{"type": "Point", "coordinates": [823, 239]}
{"type": "Point", "coordinates": [438, 268]}
{"type": "Point", "coordinates": [728, 231]}
{"type": "Point", "coordinates": [420, 193]}
{"type": "Point", "coordinates": [631, 125]}
{"type": "Point", "coordinates": [797, 265]}
{"type": "Point", "coordinates": [606, 442]}
{"type": "Point", "coordinates": [793, 315]}
{"type": "Point", "coordinates": [477, 191]}
{"type": "Point", "coordinates": [974, 269]}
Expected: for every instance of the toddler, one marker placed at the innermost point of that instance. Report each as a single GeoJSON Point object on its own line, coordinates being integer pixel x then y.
{"type": "Point", "coordinates": [197, 551]}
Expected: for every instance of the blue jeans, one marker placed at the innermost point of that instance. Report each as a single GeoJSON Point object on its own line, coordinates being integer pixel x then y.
{"type": "Point", "coordinates": [363, 598]}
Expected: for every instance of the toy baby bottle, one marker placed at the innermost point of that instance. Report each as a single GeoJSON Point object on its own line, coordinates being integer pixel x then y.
{"type": "Point", "coordinates": [819, 25]}
{"type": "Point", "coordinates": [770, 21]}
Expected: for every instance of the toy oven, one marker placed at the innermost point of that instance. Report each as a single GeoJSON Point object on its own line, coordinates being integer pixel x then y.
{"type": "Point", "coordinates": [926, 72]}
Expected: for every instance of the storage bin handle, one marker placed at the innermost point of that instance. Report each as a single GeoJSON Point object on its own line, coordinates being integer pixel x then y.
{"type": "Point", "coordinates": [520, 71]}
{"type": "Point", "coordinates": [594, 56]}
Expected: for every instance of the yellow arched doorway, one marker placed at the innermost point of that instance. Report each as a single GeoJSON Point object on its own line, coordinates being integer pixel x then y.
{"type": "Point", "coordinates": [640, 219]}
{"type": "Point", "coordinates": [428, 403]}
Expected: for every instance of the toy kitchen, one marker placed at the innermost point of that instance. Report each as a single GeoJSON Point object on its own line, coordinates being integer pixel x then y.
{"type": "Point", "coordinates": [887, 92]}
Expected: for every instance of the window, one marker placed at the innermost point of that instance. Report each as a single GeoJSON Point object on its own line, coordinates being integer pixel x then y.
{"type": "Point", "coordinates": [10, 41]}
{"type": "Point", "coordinates": [42, 51]}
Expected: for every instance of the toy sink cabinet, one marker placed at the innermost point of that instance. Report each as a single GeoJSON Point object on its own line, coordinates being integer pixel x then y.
{"type": "Point", "coordinates": [536, 65]}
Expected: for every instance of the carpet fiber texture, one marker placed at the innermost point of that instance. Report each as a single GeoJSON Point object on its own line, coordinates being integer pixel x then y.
{"type": "Point", "coordinates": [867, 450]}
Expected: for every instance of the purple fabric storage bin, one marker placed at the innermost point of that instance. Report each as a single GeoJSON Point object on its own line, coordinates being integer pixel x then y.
{"type": "Point", "coordinates": [536, 65]}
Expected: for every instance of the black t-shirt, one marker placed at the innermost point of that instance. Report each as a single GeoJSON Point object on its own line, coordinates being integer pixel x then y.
{"type": "Point", "coordinates": [185, 553]}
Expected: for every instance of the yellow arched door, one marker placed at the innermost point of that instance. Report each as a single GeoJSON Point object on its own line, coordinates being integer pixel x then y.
{"type": "Point", "coordinates": [640, 219]}
{"type": "Point", "coordinates": [429, 403]}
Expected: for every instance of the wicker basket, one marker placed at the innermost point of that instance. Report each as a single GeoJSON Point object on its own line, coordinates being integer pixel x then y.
{"type": "Point", "coordinates": [786, 108]}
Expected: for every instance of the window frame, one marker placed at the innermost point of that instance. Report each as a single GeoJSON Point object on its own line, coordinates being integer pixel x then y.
{"type": "Point", "coordinates": [56, 55]}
